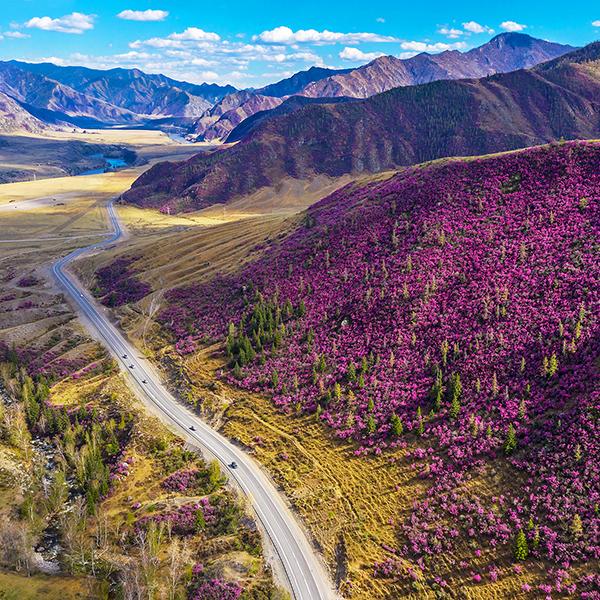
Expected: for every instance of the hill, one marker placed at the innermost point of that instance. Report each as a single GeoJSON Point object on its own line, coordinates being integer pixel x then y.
{"type": "Point", "coordinates": [401, 127]}
{"type": "Point", "coordinates": [505, 52]}
{"type": "Point", "coordinates": [450, 311]}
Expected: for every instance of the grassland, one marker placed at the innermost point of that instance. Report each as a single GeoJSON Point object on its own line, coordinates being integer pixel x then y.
{"type": "Point", "coordinates": [26, 156]}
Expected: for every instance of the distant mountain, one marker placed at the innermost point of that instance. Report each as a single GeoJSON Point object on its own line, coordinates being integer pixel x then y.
{"type": "Point", "coordinates": [296, 83]}
{"type": "Point", "coordinates": [113, 97]}
{"type": "Point", "coordinates": [290, 105]}
{"type": "Point", "coordinates": [218, 121]}
{"type": "Point", "coordinates": [15, 118]}
{"type": "Point", "coordinates": [505, 52]}
{"type": "Point", "coordinates": [404, 126]}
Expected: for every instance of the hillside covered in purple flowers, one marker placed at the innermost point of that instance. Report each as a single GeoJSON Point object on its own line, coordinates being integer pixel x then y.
{"type": "Point", "coordinates": [450, 311]}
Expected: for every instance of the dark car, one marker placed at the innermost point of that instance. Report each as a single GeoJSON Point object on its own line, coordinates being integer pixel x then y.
{"type": "Point", "coordinates": [192, 428]}
{"type": "Point", "coordinates": [233, 465]}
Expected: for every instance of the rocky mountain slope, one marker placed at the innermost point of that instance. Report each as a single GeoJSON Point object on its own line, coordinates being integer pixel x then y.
{"type": "Point", "coordinates": [114, 97]}
{"type": "Point", "coordinates": [297, 82]}
{"type": "Point", "coordinates": [404, 126]}
{"type": "Point", "coordinates": [217, 122]}
{"type": "Point", "coordinates": [506, 52]}
{"type": "Point", "coordinates": [15, 118]}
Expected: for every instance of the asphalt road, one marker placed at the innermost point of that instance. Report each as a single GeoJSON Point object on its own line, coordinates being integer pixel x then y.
{"type": "Point", "coordinates": [307, 577]}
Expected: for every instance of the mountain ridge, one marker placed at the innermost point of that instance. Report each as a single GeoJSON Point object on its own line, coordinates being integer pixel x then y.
{"type": "Point", "coordinates": [505, 52]}
{"type": "Point", "coordinates": [406, 125]}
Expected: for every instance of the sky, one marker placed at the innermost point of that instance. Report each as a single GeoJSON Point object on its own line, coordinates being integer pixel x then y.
{"type": "Point", "coordinates": [250, 44]}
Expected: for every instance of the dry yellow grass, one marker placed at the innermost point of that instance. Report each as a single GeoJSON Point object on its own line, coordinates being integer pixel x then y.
{"type": "Point", "coordinates": [20, 587]}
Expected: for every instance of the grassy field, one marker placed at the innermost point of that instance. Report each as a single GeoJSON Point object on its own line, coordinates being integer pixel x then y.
{"type": "Point", "coordinates": [20, 587]}
{"type": "Point", "coordinates": [26, 156]}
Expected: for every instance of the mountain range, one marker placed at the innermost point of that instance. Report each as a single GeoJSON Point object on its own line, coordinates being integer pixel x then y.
{"type": "Point", "coordinates": [505, 52]}
{"type": "Point", "coordinates": [404, 126]}
{"type": "Point", "coordinates": [83, 97]}
{"type": "Point", "coordinates": [89, 97]}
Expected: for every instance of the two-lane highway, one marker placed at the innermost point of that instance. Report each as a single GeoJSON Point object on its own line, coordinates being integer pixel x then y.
{"type": "Point", "coordinates": [307, 577]}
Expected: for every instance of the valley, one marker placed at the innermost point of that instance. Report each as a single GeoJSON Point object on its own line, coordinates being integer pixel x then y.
{"type": "Point", "coordinates": [318, 333]}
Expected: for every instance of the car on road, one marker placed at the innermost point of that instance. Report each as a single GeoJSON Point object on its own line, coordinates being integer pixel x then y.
{"type": "Point", "coordinates": [192, 428]}
{"type": "Point", "coordinates": [124, 355]}
{"type": "Point", "coordinates": [144, 381]}
{"type": "Point", "coordinates": [131, 366]}
{"type": "Point", "coordinates": [233, 465]}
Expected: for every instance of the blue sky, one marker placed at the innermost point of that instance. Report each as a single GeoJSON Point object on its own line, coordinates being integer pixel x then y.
{"type": "Point", "coordinates": [250, 44]}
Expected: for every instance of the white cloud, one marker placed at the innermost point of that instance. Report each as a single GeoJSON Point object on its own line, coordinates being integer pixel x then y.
{"type": "Point", "coordinates": [285, 35]}
{"type": "Point", "coordinates": [436, 47]}
{"type": "Point", "coordinates": [512, 26]}
{"type": "Point", "coordinates": [356, 55]}
{"type": "Point", "coordinates": [143, 15]}
{"type": "Point", "coordinates": [450, 32]}
{"type": "Point", "coordinates": [596, 23]}
{"type": "Point", "coordinates": [74, 23]}
{"type": "Point", "coordinates": [17, 35]}
{"type": "Point", "coordinates": [474, 27]}
{"type": "Point", "coordinates": [202, 62]}
{"type": "Point", "coordinates": [195, 34]}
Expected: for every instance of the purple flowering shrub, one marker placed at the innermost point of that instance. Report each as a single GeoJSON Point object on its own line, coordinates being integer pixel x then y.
{"type": "Point", "coordinates": [186, 519]}
{"type": "Point", "coordinates": [456, 304]}
{"type": "Point", "coordinates": [28, 281]}
{"type": "Point", "coordinates": [215, 589]}
{"type": "Point", "coordinates": [192, 481]}
{"type": "Point", "coordinates": [117, 284]}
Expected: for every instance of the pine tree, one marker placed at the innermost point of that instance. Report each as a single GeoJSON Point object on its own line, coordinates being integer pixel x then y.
{"type": "Point", "coordinates": [521, 549]}
{"type": "Point", "coordinates": [577, 526]}
{"type": "Point", "coordinates": [237, 371]}
{"type": "Point", "coordinates": [337, 391]}
{"type": "Point", "coordinates": [510, 444]}
{"type": "Point", "coordinates": [536, 537]}
{"type": "Point", "coordinates": [371, 424]}
{"type": "Point", "coordinates": [199, 521]}
{"type": "Point", "coordinates": [522, 409]}
{"type": "Point", "coordinates": [420, 425]}
{"type": "Point", "coordinates": [351, 373]}
{"type": "Point", "coordinates": [552, 365]}
{"type": "Point", "coordinates": [397, 427]}
{"type": "Point", "coordinates": [301, 309]}
{"type": "Point", "coordinates": [437, 390]}
{"type": "Point", "coordinates": [456, 392]}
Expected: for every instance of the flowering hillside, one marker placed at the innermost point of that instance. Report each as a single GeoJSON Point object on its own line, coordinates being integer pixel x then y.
{"type": "Point", "coordinates": [116, 284]}
{"type": "Point", "coordinates": [450, 310]}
